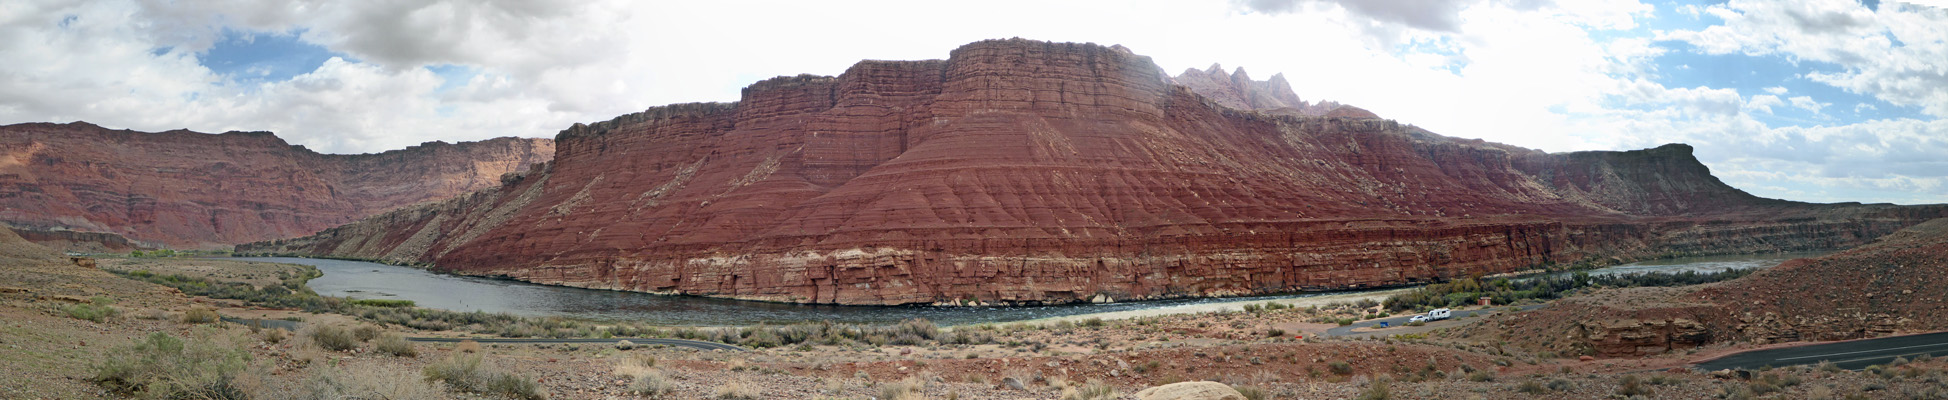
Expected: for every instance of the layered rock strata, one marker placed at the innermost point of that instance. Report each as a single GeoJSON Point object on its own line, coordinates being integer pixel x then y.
{"type": "Point", "coordinates": [1029, 172]}
{"type": "Point", "coordinates": [184, 189]}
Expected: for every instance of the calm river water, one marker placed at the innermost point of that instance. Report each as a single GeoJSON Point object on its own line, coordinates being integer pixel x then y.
{"type": "Point", "coordinates": [365, 280]}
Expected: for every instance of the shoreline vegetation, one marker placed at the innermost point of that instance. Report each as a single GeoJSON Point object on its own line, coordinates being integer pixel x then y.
{"type": "Point", "coordinates": [1468, 291]}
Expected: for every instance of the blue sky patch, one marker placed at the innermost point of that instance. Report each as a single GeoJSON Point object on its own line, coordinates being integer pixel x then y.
{"type": "Point", "coordinates": [257, 57]}
{"type": "Point", "coordinates": [452, 76]}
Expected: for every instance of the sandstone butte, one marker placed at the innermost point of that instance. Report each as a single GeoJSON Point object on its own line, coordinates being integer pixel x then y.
{"type": "Point", "coordinates": [83, 187]}
{"type": "Point", "coordinates": [1020, 172]}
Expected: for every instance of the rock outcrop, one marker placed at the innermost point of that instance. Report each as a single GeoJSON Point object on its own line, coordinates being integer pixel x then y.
{"type": "Point", "coordinates": [185, 189]}
{"type": "Point", "coordinates": [1029, 172]}
{"type": "Point", "coordinates": [1237, 90]}
{"type": "Point", "coordinates": [1200, 390]}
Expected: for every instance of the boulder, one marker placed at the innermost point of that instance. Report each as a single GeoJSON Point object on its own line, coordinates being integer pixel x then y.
{"type": "Point", "coordinates": [1200, 390]}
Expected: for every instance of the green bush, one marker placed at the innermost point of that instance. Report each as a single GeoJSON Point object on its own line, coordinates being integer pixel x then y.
{"type": "Point", "coordinates": [1340, 367]}
{"type": "Point", "coordinates": [162, 366]}
{"type": "Point", "coordinates": [97, 309]}
{"type": "Point", "coordinates": [384, 303]}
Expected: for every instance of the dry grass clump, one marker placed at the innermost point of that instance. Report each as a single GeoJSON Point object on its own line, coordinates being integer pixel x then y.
{"type": "Point", "coordinates": [330, 337]}
{"type": "Point", "coordinates": [646, 380]}
{"type": "Point", "coordinates": [467, 346]}
{"type": "Point", "coordinates": [736, 391]}
{"type": "Point", "coordinates": [907, 389]}
{"type": "Point", "coordinates": [395, 345]}
{"type": "Point", "coordinates": [162, 366]}
{"type": "Point", "coordinates": [465, 372]}
{"type": "Point", "coordinates": [368, 382]}
{"type": "Point", "coordinates": [1094, 390]}
{"type": "Point", "coordinates": [652, 384]}
{"type": "Point", "coordinates": [201, 315]}
{"type": "Point", "coordinates": [365, 333]}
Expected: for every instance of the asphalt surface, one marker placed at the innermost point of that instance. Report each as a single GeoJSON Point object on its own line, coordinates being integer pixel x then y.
{"type": "Point", "coordinates": [1857, 354]}
{"type": "Point", "coordinates": [264, 323]}
{"type": "Point", "coordinates": [1402, 320]}
{"type": "Point", "coordinates": [700, 345]}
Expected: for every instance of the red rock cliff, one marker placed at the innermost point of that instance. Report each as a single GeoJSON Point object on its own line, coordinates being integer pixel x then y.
{"type": "Point", "coordinates": [192, 190]}
{"type": "Point", "coordinates": [1026, 172]}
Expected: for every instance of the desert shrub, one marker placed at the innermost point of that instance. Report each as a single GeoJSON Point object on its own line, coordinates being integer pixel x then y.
{"type": "Point", "coordinates": [1090, 391]}
{"type": "Point", "coordinates": [1092, 322]}
{"type": "Point", "coordinates": [736, 391]}
{"type": "Point", "coordinates": [273, 336]}
{"type": "Point", "coordinates": [330, 337]}
{"type": "Point", "coordinates": [1378, 391]}
{"type": "Point", "coordinates": [201, 316]}
{"type": "Point", "coordinates": [395, 345]}
{"type": "Point", "coordinates": [1531, 387]}
{"type": "Point", "coordinates": [652, 384]}
{"type": "Point", "coordinates": [465, 372]}
{"type": "Point", "coordinates": [1630, 385]}
{"type": "Point", "coordinates": [909, 389]}
{"type": "Point", "coordinates": [1340, 367]}
{"type": "Point", "coordinates": [1252, 392]}
{"type": "Point", "coordinates": [98, 309]}
{"type": "Point", "coordinates": [1275, 332]}
{"type": "Point", "coordinates": [370, 382]}
{"type": "Point", "coordinates": [1481, 375]}
{"type": "Point", "coordinates": [162, 366]}
{"type": "Point", "coordinates": [365, 333]}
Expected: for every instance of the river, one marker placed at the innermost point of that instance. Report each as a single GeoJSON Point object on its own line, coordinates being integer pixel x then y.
{"type": "Point", "coordinates": [365, 280]}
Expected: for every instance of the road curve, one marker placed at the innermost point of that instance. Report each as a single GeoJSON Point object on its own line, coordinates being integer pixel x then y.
{"type": "Point", "coordinates": [1402, 320]}
{"type": "Point", "coordinates": [1854, 354]}
{"type": "Point", "coordinates": [695, 344]}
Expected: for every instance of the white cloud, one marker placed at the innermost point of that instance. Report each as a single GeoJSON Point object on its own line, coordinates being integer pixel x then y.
{"type": "Point", "coordinates": [1807, 103]}
{"type": "Point", "coordinates": [1893, 54]}
{"type": "Point", "coordinates": [1776, 90]}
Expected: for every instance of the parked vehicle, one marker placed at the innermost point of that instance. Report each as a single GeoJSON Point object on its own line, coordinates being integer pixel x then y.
{"type": "Point", "coordinates": [1418, 318]}
{"type": "Point", "coordinates": [1439, 314]}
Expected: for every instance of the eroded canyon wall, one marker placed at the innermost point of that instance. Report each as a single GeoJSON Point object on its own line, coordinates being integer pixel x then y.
{"type": "Point", "coordinates": [1030, 172]}
{"type": "Point", "coordinates": [184, 189]}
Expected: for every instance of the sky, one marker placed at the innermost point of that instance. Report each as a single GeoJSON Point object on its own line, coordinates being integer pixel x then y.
{"type": "Point", "coordinates": [1815, 100]}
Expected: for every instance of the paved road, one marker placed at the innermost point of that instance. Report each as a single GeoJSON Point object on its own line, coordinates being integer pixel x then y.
{"type": "Point", "coordinates": [701, 345]}
{"type": "Point", "coordinates": [264, 323]}
{"type": "Point", "coordinates": [1856, 354]}
{"type": "Point", "coordinates": [1400, 320]}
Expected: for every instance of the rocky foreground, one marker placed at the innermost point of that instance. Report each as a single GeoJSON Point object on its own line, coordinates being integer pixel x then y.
{"type": "Point", "coordinates": [86, 188]}
{"type": "Point", "coordinates": [1893, 285]}
{"type": "Point", "coordinates": [1018, 172]}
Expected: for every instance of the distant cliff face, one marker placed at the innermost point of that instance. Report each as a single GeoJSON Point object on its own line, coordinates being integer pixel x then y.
{"type": "Point", "coordinates": [192, 190]}
{"type": "Point", "coordinates": [1029, 172]}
